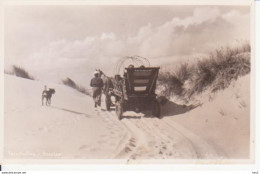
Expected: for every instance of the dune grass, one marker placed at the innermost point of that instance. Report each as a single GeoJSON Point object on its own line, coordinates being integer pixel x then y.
{"type": "Point", "coordinates": [69, 82]}
{"type": "Point", "coordinates": [19, 72]}
{"type": "Point", "coordinates": [215, 72]}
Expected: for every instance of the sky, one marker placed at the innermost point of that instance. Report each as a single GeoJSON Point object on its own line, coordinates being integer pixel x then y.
{"type": "Point", "coordinates": [55, 42]}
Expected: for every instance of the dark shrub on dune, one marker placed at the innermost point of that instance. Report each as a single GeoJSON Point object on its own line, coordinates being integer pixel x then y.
{"type": "Point", "coordinates": [216, 71]}
{"type": "Point", "coordinates": [21, 72]}
{"type": "Point", "coordinates": [69, 82]}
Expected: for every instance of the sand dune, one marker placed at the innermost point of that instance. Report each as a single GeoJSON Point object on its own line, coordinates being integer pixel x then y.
{"type": "Point", "coordinates": [71, 128]}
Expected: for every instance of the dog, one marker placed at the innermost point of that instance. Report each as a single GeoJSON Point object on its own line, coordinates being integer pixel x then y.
{"type": "Point", "coordinates": [47, 94]}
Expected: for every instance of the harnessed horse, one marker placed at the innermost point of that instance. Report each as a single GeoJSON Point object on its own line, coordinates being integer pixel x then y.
{"type": "Point", "coordinates": [106, 81]}
{"type": "Point", "coordinates": [107, 86]}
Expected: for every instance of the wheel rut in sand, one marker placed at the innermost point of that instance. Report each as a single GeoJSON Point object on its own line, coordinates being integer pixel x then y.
{"type": "Point", "coordinates": [127, 139]}
{"type": "Point", "coordinates": [153, 138]}
{"type": "Point", "coordinates": [203, 148]}
{"type": "Point", "coordinates": [161, 144]}
{"type": "Point", "coordinates": [133, 143]}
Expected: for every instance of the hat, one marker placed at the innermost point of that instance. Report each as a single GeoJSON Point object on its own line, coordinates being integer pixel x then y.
{"type": "Point", "coordinates": [96, 72]}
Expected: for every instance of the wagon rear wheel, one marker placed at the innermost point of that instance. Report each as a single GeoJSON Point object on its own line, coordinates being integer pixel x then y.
{"type": "Point", "coordinates": [156, 111]}
{"type": "Point", "coordinates": [119, 110]}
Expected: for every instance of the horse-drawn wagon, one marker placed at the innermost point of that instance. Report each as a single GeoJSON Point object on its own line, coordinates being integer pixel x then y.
{"type": "Point", "coordinates": [134, 91]}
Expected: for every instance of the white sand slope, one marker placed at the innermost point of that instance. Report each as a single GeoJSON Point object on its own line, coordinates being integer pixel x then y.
{"type": "Point", "coordinates": [71, 128]}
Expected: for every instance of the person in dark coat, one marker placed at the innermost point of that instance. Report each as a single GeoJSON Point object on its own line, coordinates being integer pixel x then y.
{"type": "Point", "coordinates": [97, 84]}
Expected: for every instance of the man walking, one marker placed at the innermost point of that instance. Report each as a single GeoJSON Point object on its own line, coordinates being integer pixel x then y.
{"type": "Point", "coordinates": [96, 84]}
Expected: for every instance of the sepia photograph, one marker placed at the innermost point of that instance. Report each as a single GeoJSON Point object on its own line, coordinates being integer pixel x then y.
{"type": "Point", "coordinates": [134, 83]}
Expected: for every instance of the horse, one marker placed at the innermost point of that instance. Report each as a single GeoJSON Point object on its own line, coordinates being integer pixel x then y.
{"type": "Point", "coordinates": [107, 82]}
{"type": "Point", "coordinates": [107, 86]}
{"type": "Point", "coordinates": [47, 94]}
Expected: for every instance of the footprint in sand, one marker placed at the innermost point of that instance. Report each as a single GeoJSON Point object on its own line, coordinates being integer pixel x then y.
{"type": "Point", "coordinates": [164, 147]}
{"type": "Point", "coordinates": [132, 140]}
{"type": "Point", "coordinates": [152, 143]}
{"type": "Point", "coordinates": [101, 141]}
{"type": "Point", "coordinates": [127, 149]}
{"type": "Point", "coordinates": [83, 147]}
{"type": "Point", "coordinates": [117, 129]}
{"type": "Point", "coordinates": [93, 149]}
{"type": "Point", "coordinates": [110, 127]}
{"type": "Point", "coordinates": [77, 156]}
{"type": "Point", "coordinates": [78, 117]}
{"type": "Point", "coordinates": [131, 144]}
{"type": "Point", "coordinates": [112, 144]}
{"type": "Point", "coordinates": [45, 129]}
{"type": "Point", "coordinates": [103, 135]}
{"type": "Point", "coordinates": [112, 137]}
{"type": "Point", "coordinates": [59, 123]}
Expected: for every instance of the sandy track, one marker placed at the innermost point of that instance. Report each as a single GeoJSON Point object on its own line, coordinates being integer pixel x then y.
{"type": "Point", "coordinates": [74, 129]}
{"type": "Point", "coordinates": [148, 137]}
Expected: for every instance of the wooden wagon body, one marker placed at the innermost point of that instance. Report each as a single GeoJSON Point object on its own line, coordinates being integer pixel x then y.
{"type": "Point", "coordinates": [135, 91]}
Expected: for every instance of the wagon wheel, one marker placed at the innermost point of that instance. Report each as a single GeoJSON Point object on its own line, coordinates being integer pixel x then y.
{"type": "Point", "coordinates": [156, 109]}
{"type": "Point", "coordinates": [119, 110]}
{"type": "Point", "coordinates": [108, 102]}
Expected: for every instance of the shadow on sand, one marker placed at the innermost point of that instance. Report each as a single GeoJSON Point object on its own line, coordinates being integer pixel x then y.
{"type": "Point", "coordinates": [111, 109]}
{"type": "Point", "coordinates": [131, 117]}
{"type": "Point", "coordinates": [173, 109]}
{"type": "Point", "coordinates": [167, 110]}
{"type": "Point", "coordinates": [71, 111]}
